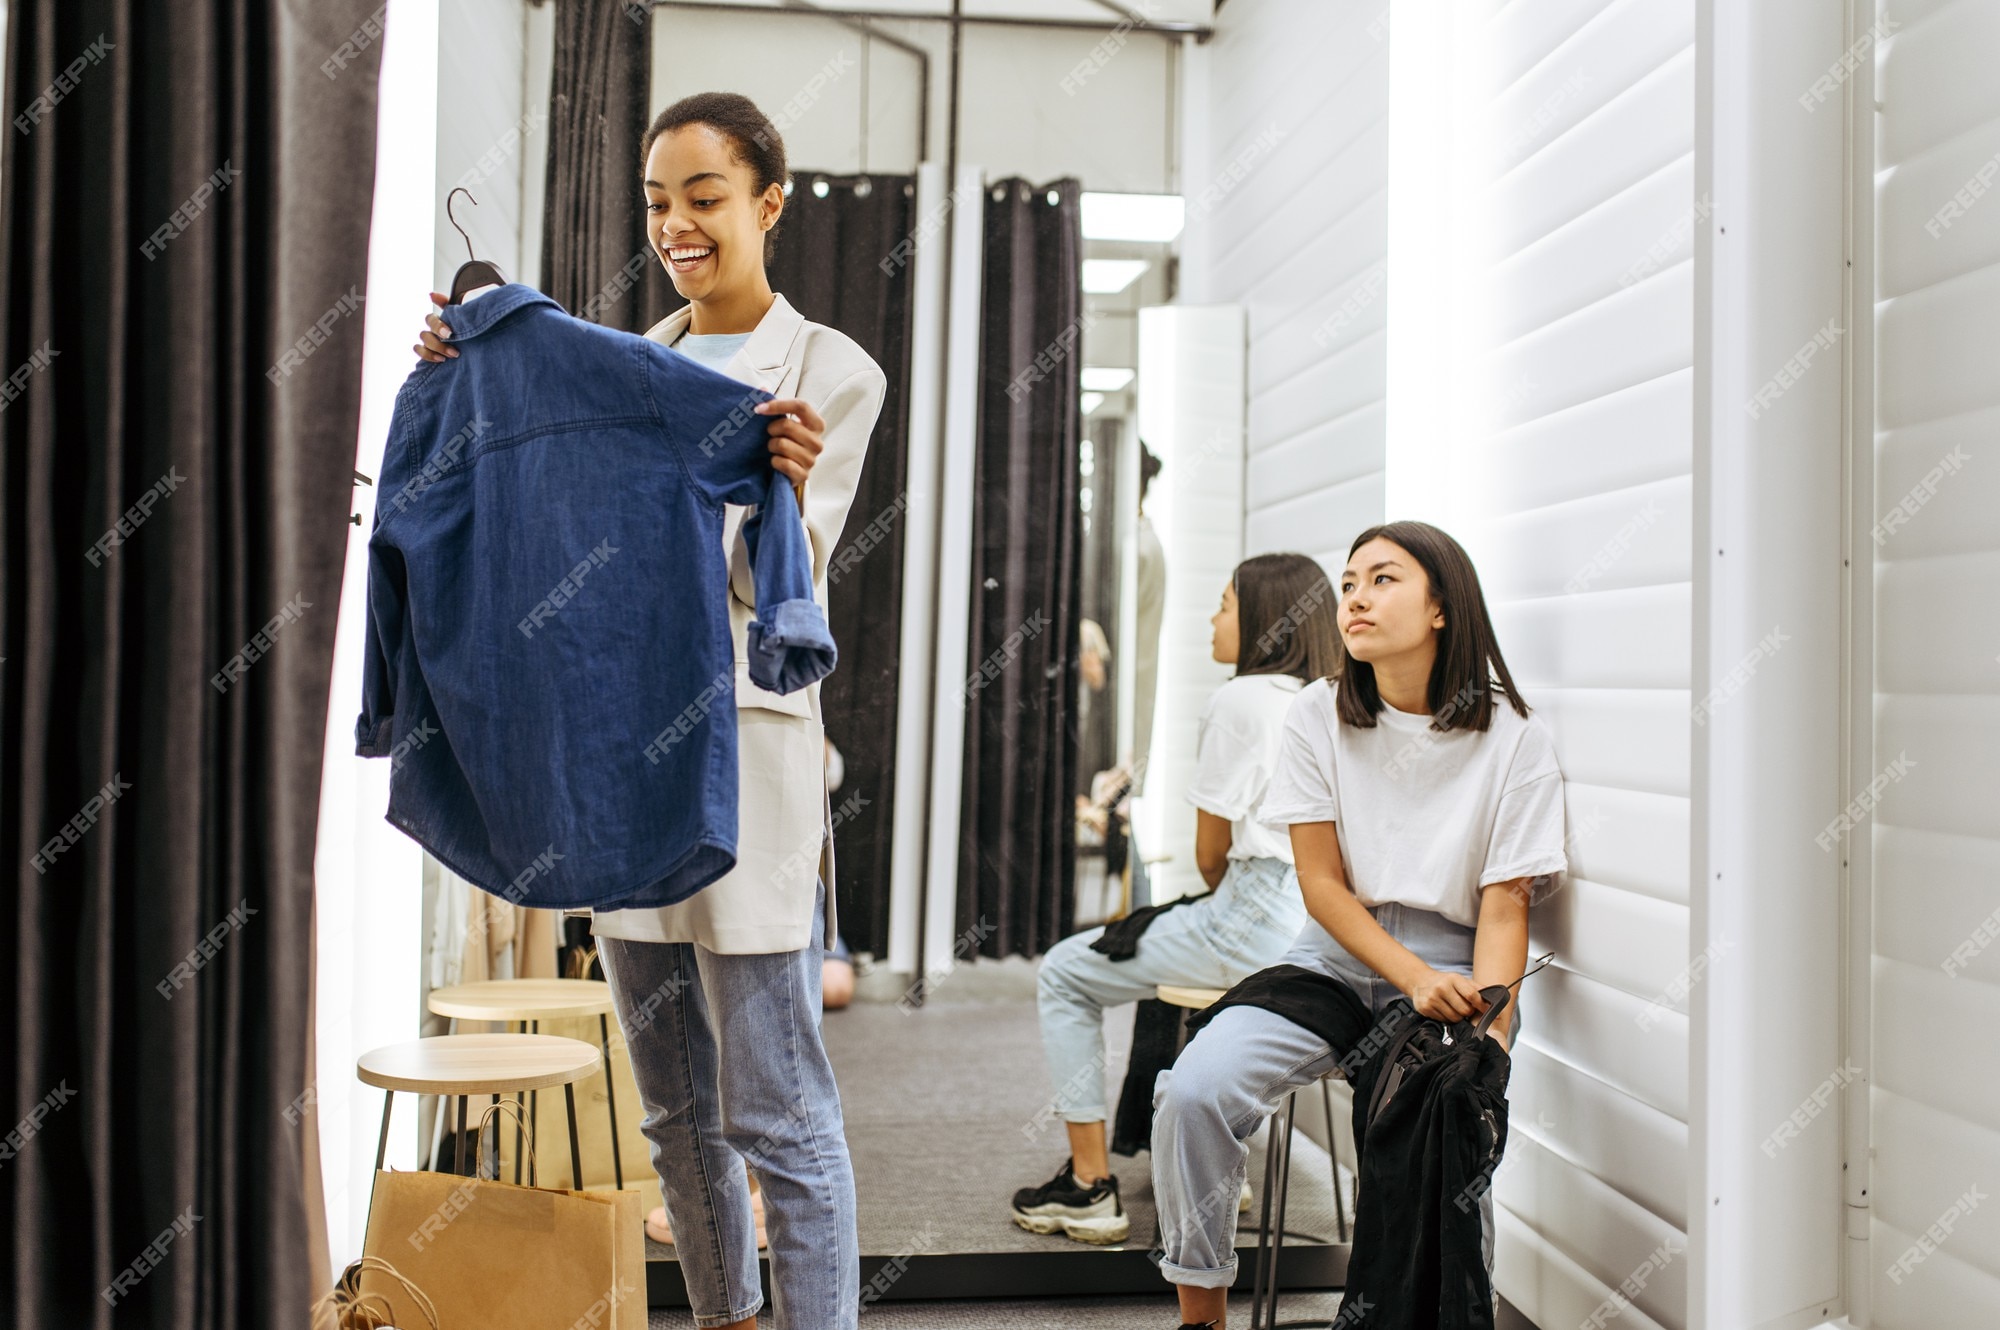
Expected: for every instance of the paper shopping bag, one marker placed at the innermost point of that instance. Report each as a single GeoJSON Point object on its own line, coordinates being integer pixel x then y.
{"type": "Point", "coordinates": [494, 1256]}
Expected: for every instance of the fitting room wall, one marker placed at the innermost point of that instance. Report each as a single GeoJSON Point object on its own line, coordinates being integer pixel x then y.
{"type": "Point", "coordinates": [1936, 1127]}
{"type": "Point", "coordinates": [1583, 199]}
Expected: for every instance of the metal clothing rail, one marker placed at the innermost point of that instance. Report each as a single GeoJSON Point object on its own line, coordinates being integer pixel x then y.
{"type": "Point", "coordinates": [1124, 18]}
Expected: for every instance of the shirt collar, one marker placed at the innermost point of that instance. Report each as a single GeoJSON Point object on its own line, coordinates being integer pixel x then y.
{"type": "Point", "coordinates": [470, 318]}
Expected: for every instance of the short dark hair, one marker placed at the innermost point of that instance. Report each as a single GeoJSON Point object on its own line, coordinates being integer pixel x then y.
{"type": "Point", "coordinates": [1149, 466]}
{"type": "Point", "coordinates": [1287, 601]}
{"type": "Point", "coordinates": [756, 141]}
{"type": "Point", "coordinates": [1460, 693]}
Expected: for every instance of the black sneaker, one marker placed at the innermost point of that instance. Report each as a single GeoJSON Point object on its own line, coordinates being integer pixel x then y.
{"type": "Point", "coordinates": [1088, 1214]}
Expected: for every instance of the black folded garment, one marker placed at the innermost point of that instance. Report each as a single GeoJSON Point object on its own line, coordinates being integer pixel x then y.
{"type": "Point", "coordinates": [1308, 999]}
{"type": "Point", "coordinates": [1121, 938]}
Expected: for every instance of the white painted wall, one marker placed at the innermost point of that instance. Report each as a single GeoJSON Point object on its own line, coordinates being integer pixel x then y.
{"type": "Point", "coordinates": [1936, 1082]}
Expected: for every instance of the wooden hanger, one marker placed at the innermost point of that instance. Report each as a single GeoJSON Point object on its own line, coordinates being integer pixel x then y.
{"type": "Point", "coordinates": [475, 272]}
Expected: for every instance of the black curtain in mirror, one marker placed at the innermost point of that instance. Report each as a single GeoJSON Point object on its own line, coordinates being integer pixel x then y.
{"type": "Point", "coordinates": [836, 261]}
{"type": "Point", "coordinates": [1017, 841]}
{"type": "Point", "coordinates": [594, 247]}
{"type": "Point", "coordinates": [186, 220]}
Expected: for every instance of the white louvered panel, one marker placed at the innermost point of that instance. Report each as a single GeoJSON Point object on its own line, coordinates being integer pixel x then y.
{"type": "Point", "coordinates": [1956, 517]}
{"type": "Point", "coordinates": [1619, 939]}
{"type": "Point", "coordinates": [1616, 49]}
{"type": "Point", "coordinates": [1631, 638]}
{"type": "Point", "coordinates": [1602, 1231]}
{"type": "Point", "coordinates": [1936, 833]}
{"type": "Point", "coordinates": [1639, 131]}
{"type": "Point", "coordinates": [1301, 249]}
{"type": "Point", "coordinates": [1590, 258]}
{"type": "Point", "coordinates": [1321, 524]}
{"type": "Point", "coordinates": [1632, 537]}
{"type": "Point", "coordinates": [1640, 334]}
{"type": "Point", "coordinates": [1632, 740]}
{"type": "Point", "coordinates": [1578, 511]}
{"type": "Point", "coordinates": [1952, 745]}
{"type": "Point", "coordinates": [1629, 839]}
{"type": "Point", "coordinates": [1936, 81]}
{"type": "Point", "coordinates": [1943, 1291]}
{"type": "Point", "coordinates": [1343, 449]}
{"type": "Point", "coordinates": [1933, 890]}
{"type": "Point", "coordinates": [1341, 268]}
{"type": "Point", "coordinates": [1939, 1022]}
{"type": "Point", "coordinates": [1935, 346]}
{"type": "Point", "coordinates": [1514, 38]}
{"type": "Point", "coordinates": [1927, 1161]}
{"type": "Point", "coordinates": [1327, 174]}
{"type": "Point", "coordinates": [1342, 385]}
{"type": "Point", "coordinates": [1553, 1290]}
{"type": "Point", "coordinates": [1297, 44]}
{"type": "Point", "coordinates": [1640, 1151]}
{"type": "Point", "coordinates": [1562, 456]}
{"type": "Point", "coordinates": [1940, 649]}
{"type": "Point", "coordinates": [1628, 1042]}
{"type": "Point", "coordinates": [1912, 192]}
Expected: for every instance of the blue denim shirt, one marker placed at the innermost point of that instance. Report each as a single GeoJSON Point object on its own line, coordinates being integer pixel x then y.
{"type": "Point", "coordinates": [548, 663]}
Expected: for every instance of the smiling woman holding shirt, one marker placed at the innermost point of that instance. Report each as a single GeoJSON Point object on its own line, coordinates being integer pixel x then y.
{"type": "Point", "coordinates": [734, 1070]}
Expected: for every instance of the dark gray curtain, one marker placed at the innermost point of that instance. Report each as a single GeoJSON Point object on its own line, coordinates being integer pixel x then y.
{"type": "Point", "coordinates": [593, 225]}
{"type": "Point", "coordinates": [1017, 843]}
{"type": "Point", "coordinates": [829, 263]}
{"type": "Point", "coordinates": [186, 234]}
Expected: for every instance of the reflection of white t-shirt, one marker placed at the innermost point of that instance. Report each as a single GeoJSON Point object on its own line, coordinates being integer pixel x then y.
{"type": "Point", "coordinates": [1235, 749]}
{"type": "Point", "coordinates": [1426, 818]}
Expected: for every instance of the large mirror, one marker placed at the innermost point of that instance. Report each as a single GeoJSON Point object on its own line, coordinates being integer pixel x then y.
{"type": "Point", "coordinates": [1023, 596]}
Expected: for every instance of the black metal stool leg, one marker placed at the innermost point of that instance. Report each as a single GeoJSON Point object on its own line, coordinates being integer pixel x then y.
{"type": "Point", "coordinates": [458, 1146]}
{"type": "Point", "coordinates": [382, 1145]}
{"type": "Point", "coordinates": [1284, 1189]}
{"type": "Point", "coordinates": [611, 1100]}
{"type": "Point", "coordinates": [1333, 1162]}
{"type": "Point", "coordinates": [496, 1139]}
{"type": "Point", "coordinates": [1258, 1280]}
{"type": "Point", "coordinates": [534, 1096]}
{"type": "Point", "coordinates": [575, 1149]}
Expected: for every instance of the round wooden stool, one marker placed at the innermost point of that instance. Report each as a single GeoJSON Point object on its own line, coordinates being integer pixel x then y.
{"type": "Point", "coordinates": [529, 1002]}
{"type": "Point", "coordinates": [1194, 998]}
{"type": "Point", "coordinates": [463, 1065]}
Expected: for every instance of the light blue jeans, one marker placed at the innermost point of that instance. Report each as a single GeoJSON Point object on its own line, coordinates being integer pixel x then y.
{"type": "Point", "coordinates": [727, 1054]}
{"type": "Point", "coordinates": [1246, 925]}
{"type": "Point", "coordinates": [1235, 1073]}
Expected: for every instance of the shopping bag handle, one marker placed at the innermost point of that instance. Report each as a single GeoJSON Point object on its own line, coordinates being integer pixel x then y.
{"type": "Point", "coordinates": [341, 1298]}
{"type": "Point", "coordinates": [527, 1135]}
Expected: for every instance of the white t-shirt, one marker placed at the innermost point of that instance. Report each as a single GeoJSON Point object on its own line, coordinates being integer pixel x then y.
{"type": "Point", "coordinates": [1426, 818]}
{"type": "Point", "coordinates": [1235, 751]}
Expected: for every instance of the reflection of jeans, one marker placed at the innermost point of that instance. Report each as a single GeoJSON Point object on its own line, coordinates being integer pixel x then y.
{"type": "Point", "coordinates": [1249, 921]}
{"type": "Point", "coordinates": [727, 1054]}
{"type": "Point", "coordinates": [1240, 1067]}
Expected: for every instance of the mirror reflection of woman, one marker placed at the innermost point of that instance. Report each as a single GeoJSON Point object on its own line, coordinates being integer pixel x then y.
{"type": "Point", "coordinates": [1425, 807]}
{"type": "Point", "coordinates": [1247, 921]}
{"type": "Point", "coordinates": [732, 1068]}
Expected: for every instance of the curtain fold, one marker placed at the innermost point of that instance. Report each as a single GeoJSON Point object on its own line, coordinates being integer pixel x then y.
{"type": "Point", "coordinates": [1017, 844]}
{"type": "Point", "coordinates": [833, 262]}
{"type": "Point", "coordinates": [594, 250]}
{"type": "Point", "coordinates": [187, 201]}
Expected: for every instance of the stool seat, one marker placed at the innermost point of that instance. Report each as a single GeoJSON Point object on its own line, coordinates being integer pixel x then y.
{"type": "Point", "coordinates": [468, 1064]}
{"type": "Point", "coordinates": [522, 999]}
{"type": "Point", "coordinates": [1176, 995]}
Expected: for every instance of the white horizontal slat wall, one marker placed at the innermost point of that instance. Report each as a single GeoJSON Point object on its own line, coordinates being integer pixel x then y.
{"type": "Point", "coordinates": [1935, 1101]}
{"type": "Point", "coordinates": [1571, 488]}
{"type": "Point", "coordinates": [1290, 213]}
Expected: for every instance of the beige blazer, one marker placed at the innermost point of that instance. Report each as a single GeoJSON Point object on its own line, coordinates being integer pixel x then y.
{"type": "Point", "coordinates": [765, 903]}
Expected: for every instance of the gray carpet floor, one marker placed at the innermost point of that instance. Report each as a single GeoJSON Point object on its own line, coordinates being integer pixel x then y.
{"type": "Point", "coordinates": [947, 1111]}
